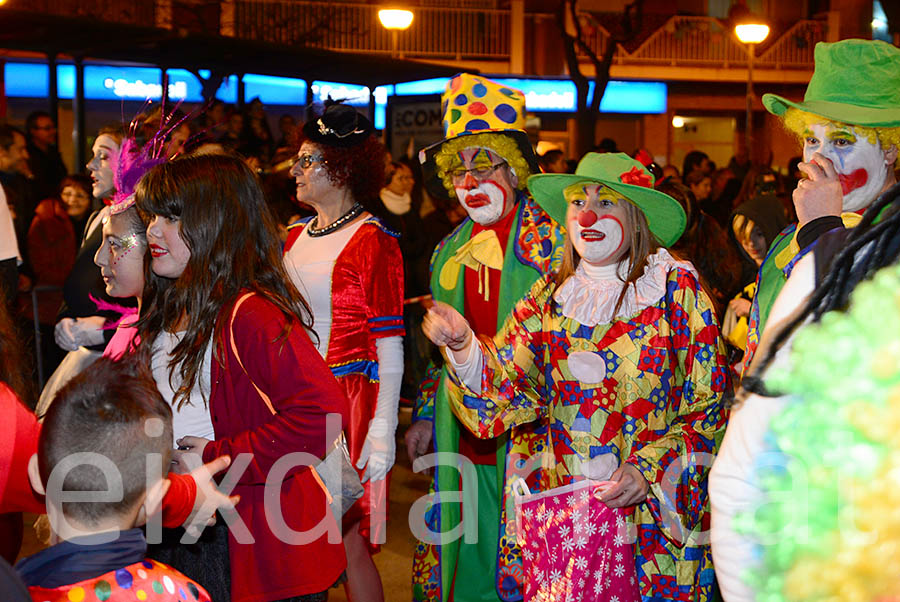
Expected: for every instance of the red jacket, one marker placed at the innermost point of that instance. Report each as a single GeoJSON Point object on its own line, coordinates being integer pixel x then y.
{"type": "Point", "coordinates": [51, 252]}
{"type": "Point", "coordinates": [302, 391]}
{"type": "Point", "coordinates": [18, 444]}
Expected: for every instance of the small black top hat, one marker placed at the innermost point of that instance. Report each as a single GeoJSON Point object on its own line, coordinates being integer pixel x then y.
{"type": "Point", "coordinates": [338, 125]}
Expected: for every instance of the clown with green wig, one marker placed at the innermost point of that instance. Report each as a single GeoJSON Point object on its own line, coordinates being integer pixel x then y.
{"type": "Point", "coordinates": [482, 268]}
{"type": "Point", "coordinates": [849, 126]}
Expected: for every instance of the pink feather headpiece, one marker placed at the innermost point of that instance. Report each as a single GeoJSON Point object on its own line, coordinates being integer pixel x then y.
{"type": "Point", "coordinates": [135, 160]}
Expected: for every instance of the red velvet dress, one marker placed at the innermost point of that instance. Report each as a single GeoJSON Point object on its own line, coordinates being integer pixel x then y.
{"type": "Point", "coordinates": [366, 304]}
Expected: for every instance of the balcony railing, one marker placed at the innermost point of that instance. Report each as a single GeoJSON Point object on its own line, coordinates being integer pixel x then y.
{"type": "Point", "coordinates": [450, 33]}
{"type": "Point", "coordinates": [447, 33]}
{"type": "Point", "coordinates": [115, 11]}
{"type": "Point", "coordinates": [706, 41]}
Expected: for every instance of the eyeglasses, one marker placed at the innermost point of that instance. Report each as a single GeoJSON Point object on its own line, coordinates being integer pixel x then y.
{"type": "Point", "coordinates": [479, 173]}
{"type": "Point", "coordinates": [306, 160]}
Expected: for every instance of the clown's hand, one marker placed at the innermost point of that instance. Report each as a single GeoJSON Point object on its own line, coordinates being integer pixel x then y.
{"type": "Point", "coordinates": [378, 451]}
{"type": "Point", "coordinates": [820, 194]}
{"type": "Point", "coordinates": [446, 327]}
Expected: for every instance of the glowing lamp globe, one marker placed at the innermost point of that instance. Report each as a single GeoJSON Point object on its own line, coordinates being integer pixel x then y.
{"type": "Point", "coordinates": [392, 18]}
{"type": "Point", "coordinates": [751, 33]}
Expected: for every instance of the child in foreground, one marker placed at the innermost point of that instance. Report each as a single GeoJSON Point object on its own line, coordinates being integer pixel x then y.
{"type": "Point", "coordinates": [109, 422]}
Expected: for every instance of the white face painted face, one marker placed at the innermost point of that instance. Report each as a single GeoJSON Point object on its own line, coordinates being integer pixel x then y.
{"type": "Point", "coordinates": [861, 166]}
{"type": "Point", "coordinates": [597, 222]}
{"type": "Point", "coordinates": [484, 185]}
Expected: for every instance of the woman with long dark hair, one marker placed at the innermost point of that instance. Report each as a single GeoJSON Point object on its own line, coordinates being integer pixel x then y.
{"type": "Point", "coordinates": [226, 329]}
{"type": "Point", "coordinates": [348, 264]}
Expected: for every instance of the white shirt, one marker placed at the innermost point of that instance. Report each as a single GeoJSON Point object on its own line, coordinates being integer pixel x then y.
{"type": "Point", "coordinates": [309, 263]}
{"type": "Point", "coordinates": [9, 248]}
{"type": "Point", "coordinates": [733, 486]}
{"type": "Point", "coordinates": [193, 418]}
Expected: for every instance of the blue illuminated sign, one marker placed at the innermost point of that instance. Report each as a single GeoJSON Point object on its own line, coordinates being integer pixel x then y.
{"type": "Point", "coordinates": [275, 90]}
{"type": "Point", "coordinates": [558, 95]}
{"type": "Point", "coordinates": [102, 82]}
{"type": "Point", "coordinates": [435, 85]}
{"type": "Point", "coordinates": [544, 94]}
{"type": "Point", "coordinates": [105, 82]}
{"type": "Point", "coordinates": [632, 97]}
{"type": "Point", "coordinates": [351, 94]}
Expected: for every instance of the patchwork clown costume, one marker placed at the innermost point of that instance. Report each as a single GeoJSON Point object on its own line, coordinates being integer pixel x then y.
{"type": "Point", "coordinates": [636, 379]}
{"type": "Point", "coordinates": [481, 269]}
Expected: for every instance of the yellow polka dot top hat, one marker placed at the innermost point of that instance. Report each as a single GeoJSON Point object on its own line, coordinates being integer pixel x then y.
{"type": "Point", "coordinates": [478, 112]}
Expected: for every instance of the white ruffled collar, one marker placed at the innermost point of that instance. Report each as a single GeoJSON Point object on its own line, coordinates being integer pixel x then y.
{"type": "Point", "coordinates": [589, 296]}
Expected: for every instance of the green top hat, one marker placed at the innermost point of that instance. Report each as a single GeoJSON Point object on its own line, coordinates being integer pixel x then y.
{"type": "Point", "coordinates": [628, 177]}
{"type": "Point", "coordinates": [856, 82]}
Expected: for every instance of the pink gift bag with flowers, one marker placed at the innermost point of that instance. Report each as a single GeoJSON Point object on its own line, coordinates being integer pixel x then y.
{"type": "Point", "coordinates": [574, 548]}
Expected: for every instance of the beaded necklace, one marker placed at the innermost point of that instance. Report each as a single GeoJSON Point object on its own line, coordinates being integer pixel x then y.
{"type": "Point", "coordinates": [355, 210]}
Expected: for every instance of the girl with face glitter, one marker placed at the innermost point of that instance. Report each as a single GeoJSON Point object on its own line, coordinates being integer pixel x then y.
{"type": "Point", "coordinates": [80, 324]}
{"type": "Point", "coordinates": [619, 352]}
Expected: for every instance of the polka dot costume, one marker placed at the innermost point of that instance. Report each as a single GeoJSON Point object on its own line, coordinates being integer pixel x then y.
{"type": "Point", "coordinates": [145, 581]}
{"type": "Point", "coordinates": [473, 104]}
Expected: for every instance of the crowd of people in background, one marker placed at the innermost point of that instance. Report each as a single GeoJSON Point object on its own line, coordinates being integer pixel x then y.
{"type": "Point", "coordinates": [50, 208]}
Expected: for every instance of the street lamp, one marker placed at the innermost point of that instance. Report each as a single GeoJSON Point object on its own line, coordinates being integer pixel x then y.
{"type": "Point", "coordinates": [395, 20]}
{"type": "Point", "coordinates": [750, 32]}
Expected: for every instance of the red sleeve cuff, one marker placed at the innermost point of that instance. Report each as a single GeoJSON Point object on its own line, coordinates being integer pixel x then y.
{"type": "Point", "coordinates": [179, 500]}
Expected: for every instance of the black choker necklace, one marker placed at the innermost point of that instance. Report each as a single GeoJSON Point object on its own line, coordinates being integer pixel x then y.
{"type": "Point", "coordinates": [355, 210]}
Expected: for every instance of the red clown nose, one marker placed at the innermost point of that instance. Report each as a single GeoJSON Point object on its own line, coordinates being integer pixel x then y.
{"type": "Point", "coordinates": [586, 219]}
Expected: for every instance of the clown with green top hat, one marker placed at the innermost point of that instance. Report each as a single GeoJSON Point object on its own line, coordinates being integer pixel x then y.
{"type": "Point", "coordinates": [618, 354]}
{"type": "Point", "coordinates": [482, 268]}
{"type": "Point", "coordinates": [849, 125]}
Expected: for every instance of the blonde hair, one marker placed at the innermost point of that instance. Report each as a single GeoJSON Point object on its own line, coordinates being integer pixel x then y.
{"type": "Point", "coordinates": [797, 122]}
{"type": "Point", "coordinates": [447, 158]}
{"type": "Point", "coordinates": [742, 227]}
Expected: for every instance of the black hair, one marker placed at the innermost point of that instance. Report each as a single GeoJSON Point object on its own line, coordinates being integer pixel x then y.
{"type": "Point", "coordinates": [8, 135]}
{"type": "Point", "coordinates": [235, 245]}
{"type": "Point", "coordinates": [31, 120]}
{"type": "Point", "coordinates": [692, 160]}
{"type": "Point", "coordinates": [114, 410]}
